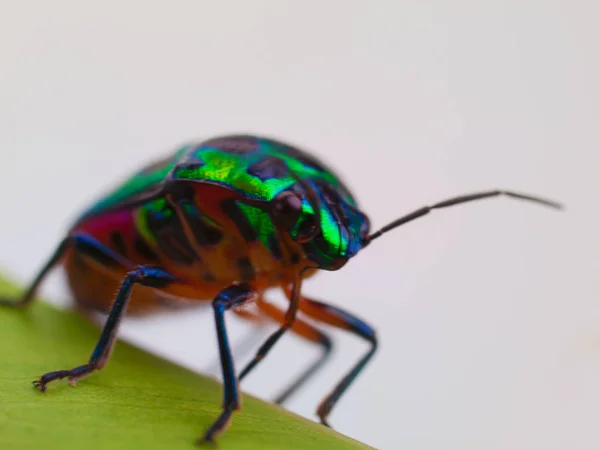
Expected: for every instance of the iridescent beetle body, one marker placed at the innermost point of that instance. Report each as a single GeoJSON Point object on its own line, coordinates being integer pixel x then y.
{"type": "Point", "coordinates": [205, 220]}
{"type": "Point", "coordinates": [222, 222]}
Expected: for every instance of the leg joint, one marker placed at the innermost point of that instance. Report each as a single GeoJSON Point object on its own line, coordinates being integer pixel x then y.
{"type": "Point", "coordinates": [151, 276]}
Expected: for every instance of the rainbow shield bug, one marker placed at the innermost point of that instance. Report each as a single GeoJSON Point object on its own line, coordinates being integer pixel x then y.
{"type": "Point", "coordinates": [223, 221]}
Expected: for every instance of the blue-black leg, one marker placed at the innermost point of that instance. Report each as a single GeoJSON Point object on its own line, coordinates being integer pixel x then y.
{"type": "Point", "coordinates": [91, 248]}
{"type": "Point", "coordinates": [143, 275]}
{"type": "Point", "coordinates": [325, 342]}
{"type": "Point", "coordinates": [307, 331]}
{"type": "Point", "coordinates": [290, 318]}
{"type": "Point", "coordinates": [81, 242]}
{"type": "Point", "coordinates": [27, 298]}
{"type": "Point", "coordinates": [230, 297]}
{"type": "Point", "coordinates": [339, 318]}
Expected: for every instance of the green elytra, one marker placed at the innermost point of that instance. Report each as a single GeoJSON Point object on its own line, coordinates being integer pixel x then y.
{"type": "Point", "coordinates": [209, 163]}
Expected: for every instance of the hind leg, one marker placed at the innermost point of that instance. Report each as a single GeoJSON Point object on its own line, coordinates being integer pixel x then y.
{"type": "Point", "coordinates": [105, 257]}
{"type": "Point", "coordinates": [290, 318]}
{"type": "Point", "coordinates": [146, 276]}
{"type": "Point", "coordinates": [28, 296]}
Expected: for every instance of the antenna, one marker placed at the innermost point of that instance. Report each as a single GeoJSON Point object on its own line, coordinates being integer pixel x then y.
{"type": "Point", "coordinates": [457, 201]}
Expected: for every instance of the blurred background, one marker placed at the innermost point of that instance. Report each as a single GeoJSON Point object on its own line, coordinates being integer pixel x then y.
{"type": "Point", "coordinates": [488, 314]}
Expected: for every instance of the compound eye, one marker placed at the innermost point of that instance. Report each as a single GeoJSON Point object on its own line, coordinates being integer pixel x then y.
{"type": "Point", "coordinates": [287, 207]}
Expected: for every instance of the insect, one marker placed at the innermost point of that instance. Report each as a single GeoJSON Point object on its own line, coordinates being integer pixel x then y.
{"type": "Point", "coordinates": [222, 221]}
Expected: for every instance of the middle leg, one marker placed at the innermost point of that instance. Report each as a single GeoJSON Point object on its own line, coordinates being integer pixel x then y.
{"type": "Point", "coordinates": [306, 331]}
{"type": "Point", "coordinates": [290, 318]}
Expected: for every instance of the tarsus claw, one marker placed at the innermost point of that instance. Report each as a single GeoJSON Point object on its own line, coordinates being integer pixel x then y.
{"type": "Point", "coordinates": [206, 440]}
{"type": "Point", "coordinates": [39, 385]}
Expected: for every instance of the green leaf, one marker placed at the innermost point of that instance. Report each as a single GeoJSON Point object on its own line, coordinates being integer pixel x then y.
{"type": "Point", "coordinates": [137, 402]}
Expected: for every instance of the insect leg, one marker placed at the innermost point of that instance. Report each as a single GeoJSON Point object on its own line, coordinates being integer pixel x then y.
{"type": "Point", "coordinates": [27, 298]}
{"type": "Point", "coordinates": [340, 319]}
{"type": "Point", "coordinates": [230, 297]}
{"type": "Point", "coordinates": [246, 343]}
{"type": "Point", "coordinates": [290, 318]}
{"type": "Point", "coordinates": [144, 275]}
{"type": "Point", "coordinates": [307, 331]}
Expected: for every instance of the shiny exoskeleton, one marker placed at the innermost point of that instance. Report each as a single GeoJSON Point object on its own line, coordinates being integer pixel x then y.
{"type": "Point", "coordinates": [222, 221]}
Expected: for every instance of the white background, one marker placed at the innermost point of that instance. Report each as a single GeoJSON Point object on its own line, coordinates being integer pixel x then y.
{"type": "Point", "coordinates": [488, 314]}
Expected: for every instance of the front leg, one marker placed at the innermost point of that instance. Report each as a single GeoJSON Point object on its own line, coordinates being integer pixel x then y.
{"type": "Point", "coordinates": [144, 275]}
{"type": "Point", "coordinates": [230, 297]}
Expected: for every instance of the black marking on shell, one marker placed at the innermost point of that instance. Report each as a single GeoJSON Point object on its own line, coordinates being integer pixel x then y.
{"type": "Point", "coordinates": [268, 168]}
{"type": "Point", "coordinates": [189, 162]}
{"type": "Point", "coordinates": [192, 164]}
{"type": "Point", "coordinates": [205, 234]}
{"type": "Point", "coordinates": [239, 218]}
{"type": "Point", "coordinates": [333, 201]}
{"type": "Point", "coordinates": [311, 161]}
{"type": "Point", "coordinates": [170, 237]}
